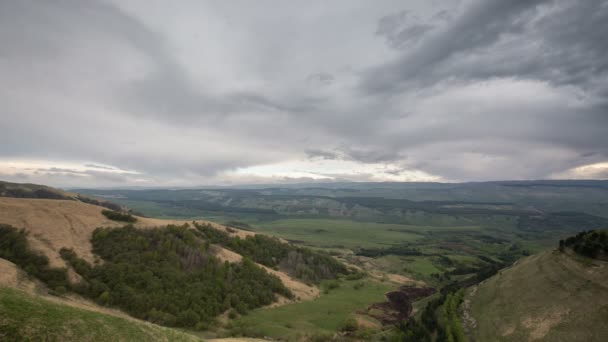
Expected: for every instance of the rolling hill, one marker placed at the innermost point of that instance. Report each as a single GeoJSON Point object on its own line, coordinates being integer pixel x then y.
{"type": "Point", "coordinates": [551, 296]}
{"type": "Point", "coordinates": [28, 313]}
{"type": "Point", "coordinates": [65, 222]}
{"type": "Point", "coordinates": [53, 224]}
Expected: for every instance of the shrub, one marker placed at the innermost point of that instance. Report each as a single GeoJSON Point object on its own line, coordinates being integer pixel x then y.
{"type": "Point", "coordinates": [356, 276]}
{"type": "Point", "coordinates": [349, 325]}
{"type": "Point", "coordinates": [119, 216]}
{"type": "Point", "coordinates": [330, 285]}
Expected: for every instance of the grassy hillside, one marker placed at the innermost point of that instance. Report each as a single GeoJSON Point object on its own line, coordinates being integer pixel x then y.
{"type": "Point", "coordinates": [27, 317]}
{"type": "Point", "coordinates": [550, 296]}
{"type": "Point", "coordinates": [326, 314]}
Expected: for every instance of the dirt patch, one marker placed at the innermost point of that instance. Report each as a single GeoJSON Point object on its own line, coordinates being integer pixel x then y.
{"type": "Point", "coordinates": [399, 304]}
{"type": "Point", "coordinates": [467, 318]}
{"type": "Point", "coordinates": [508, 331]}
{"type": "Point", "coordinates": [541, 325]}
{"type": "Point", "coordinates": [399, 279]}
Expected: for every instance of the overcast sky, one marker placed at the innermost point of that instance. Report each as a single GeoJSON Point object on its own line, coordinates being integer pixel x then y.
{"type": "Point", "coordinates": [185, 93]}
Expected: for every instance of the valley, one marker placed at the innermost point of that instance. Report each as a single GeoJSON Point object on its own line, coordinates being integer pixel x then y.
{"type": "Point", "coordinates": [304, 171]}
{"type": "Point", "coordinates": [359, 272]}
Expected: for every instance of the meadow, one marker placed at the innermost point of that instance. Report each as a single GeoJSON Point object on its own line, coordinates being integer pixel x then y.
{"type": "Point", "coordinates": [339, 233]}
{"type": "Point", "coordinates": [326, 314]}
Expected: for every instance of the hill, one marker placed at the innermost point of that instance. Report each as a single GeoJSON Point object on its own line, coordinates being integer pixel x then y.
{"type": "Point", "coordinates": [26, 317]}
{"type": "Point", "coordinates": [56, 224]}
{"type": "Point", "coordinates": [551, 296]}
{"type": "Point", "coordinates": [28, 313]}
{"type": "Point", "coordinates": [27, 190]}
{"type": "Point", "coordinates": [388, 202]}
{"type": "Point", "coordinates": [173, 249]}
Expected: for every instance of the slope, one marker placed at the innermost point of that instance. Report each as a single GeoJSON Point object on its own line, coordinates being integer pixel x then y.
{"type": "Point", "coordinates": [26, 317]}
{"type": "Point", "coordinates": [27, 313]}
{"type": "Point", "coordinates": [54, 223]}
{"type": "Point", "coordinates": [551, 296]}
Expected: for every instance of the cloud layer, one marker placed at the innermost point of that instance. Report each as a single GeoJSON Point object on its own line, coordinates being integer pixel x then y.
{"type": "Point", "coordinates": [110, 93]}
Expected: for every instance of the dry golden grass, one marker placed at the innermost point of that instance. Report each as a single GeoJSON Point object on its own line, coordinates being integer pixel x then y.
{"type": "Point", "coordinates": [299, 289]}
{"type": "Point", "coordinates": [54, 224]}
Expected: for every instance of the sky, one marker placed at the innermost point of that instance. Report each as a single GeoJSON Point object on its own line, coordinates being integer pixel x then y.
{"type": "Point", "coordinates": [103, 93]}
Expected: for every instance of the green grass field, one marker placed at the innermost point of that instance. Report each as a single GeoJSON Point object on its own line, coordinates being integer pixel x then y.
{"type": "Point", "coordinates": [549, 296]}
{"type": "Point", "coordinates": [340, 233]}
{"type": "Point", "coordinates": [25, 317]}
{"type": "Point", "coordinates": [324, 314]}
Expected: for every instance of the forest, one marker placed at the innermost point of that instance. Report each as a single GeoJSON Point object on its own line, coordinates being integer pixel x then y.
{"type": "Point", "coordinates": [592, 244]}
{"type": "Point", "coordinates": [299, 262]}
{"type": "Point", "coordinates": [169, 276]}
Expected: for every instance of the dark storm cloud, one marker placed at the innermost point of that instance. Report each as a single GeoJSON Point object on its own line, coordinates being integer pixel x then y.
{"type": "Point", "coordinates": [469, 90]}
{"type": "Point", "coordinates": [402, 29]}
{"type": "Point", "coordinates": [559, 41]}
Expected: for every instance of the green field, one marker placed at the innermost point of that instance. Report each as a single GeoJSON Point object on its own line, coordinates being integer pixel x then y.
{"type": "Point", "coordinates": [324, 314]}
{"type": "Point", "coordinates": [339, 233]}
{"type": "Point", "coordinates": [549, 296]}
{"type": "Point", "coordinates": [26, 317]}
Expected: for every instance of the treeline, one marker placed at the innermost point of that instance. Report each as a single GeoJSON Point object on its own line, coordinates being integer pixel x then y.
{"type": "Point", "coordinates": [592, 243]}
{"type": "Point", "coordinates": [119, 216]}
{"type": "Point", "coordinates": [299, 262]}
{"type": "Point", "coordinates": [105, 204]}
{"type": "Point", "coordinates": [15, 248]}
{"type": "Point", "coordinates": [170, 277]}
{"type": "Point", "coordinates": [439, 318]}
{"type": "Point", "coordinates": [489, 268]}
{"type": "Point", "coordinates": [29, 191]}
{"type": "Point", "coordinates": [402, 250]}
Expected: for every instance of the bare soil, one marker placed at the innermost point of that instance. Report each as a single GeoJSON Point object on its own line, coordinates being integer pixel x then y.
{"type": "Point", "coordinates": [399, 304]}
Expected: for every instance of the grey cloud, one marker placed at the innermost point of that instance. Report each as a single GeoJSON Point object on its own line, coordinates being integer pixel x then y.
{"type": "Point", "coordinates": [356, 154]}
{"type": "Point", "coordinates": [99, 167]}
{"type": "Point", "coordinates": [401, 29]}
{"type": "Point", "coordinates": [129, 85]}
{"type": "Point", "coordinates": [321, 78]}
{"type": "Point", "coordinates": [560, 41]}
{"type": "Point", "coordinates": [376, 155]}
{"type": "Point", "coordinates": [322, 154]}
